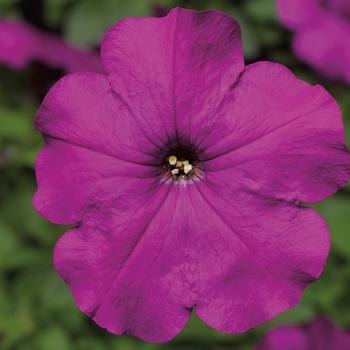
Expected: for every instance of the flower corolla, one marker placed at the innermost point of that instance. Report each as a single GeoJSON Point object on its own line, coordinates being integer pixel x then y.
{"type": "Point", "coordinates": [183, 172]}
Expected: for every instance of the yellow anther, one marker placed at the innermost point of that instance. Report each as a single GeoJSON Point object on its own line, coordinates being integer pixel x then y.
{"type": "Point", "coordinates": [187, 168]}
{"type": "Point", "coordinates": [178, 164]}
{"type": "Point", "coordinates": [172, 160]}
{"type": "Point", "coordinates": [175, 171]}
{"type": "Point", "coordinates": [185, 162]}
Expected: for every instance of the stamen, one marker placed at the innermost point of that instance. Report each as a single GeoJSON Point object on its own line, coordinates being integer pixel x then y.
{"type": "Point", "coordinates": [172, 160]}
{"type": "Point", "coordinates": [187, 168]}
{"type": "Point", "coordinates": [181, 163]}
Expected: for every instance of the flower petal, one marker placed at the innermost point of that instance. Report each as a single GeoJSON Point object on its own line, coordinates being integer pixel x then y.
{"type": "Point", "coordinates": [20, 44]}
{"type": "Point", "coordinates": [88, 184]}
{"type": "Point", "coordinates": [319, 334]}
{"type": "Point", "coordinates": [322, 34]}
{"type": "Point", "coordinates": [283, 139]}
{"type": "Point", "coordinates": [324, 335]}
{"type": "Point", "coordinates": [325, 44]}
{"type": "Point", "coordinates": [294, 13]}
{"type": "Point", "coordinates": [255, 256]}
{"type": "Point", "coordinates": [237, 268]}
{"type": "Point", "coordinates": [101, 152]}
{"type": "Point", "coordinates": [135, 276]}
{"type": "Point", "coordinates": [285, 338]}
{"type": "Point", "coordinates": [82, 109]}
{"type": "Point", "coordinates": [173, 71]}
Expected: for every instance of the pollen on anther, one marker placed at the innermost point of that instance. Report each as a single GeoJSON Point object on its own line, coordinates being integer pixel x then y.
{"type": "Point", "coordinates": [175, 171]}
{"type": "Point", "coordinates": [187, 168]}
{"type": "Point", "coordinates": [172, 160]}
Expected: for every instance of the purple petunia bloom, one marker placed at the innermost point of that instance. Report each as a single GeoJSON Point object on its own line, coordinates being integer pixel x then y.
{"type": "Point", "coordinates": [21, 44]}
{"type": "Point", "coordinates": [319, 334]}
{"type": "Point", "coordinates": [183, 172]}
{"type": "Point", "coordinates": [322, 34]}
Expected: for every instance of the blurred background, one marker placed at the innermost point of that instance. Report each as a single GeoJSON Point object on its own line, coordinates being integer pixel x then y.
{"type": "Point", "coordinates": [37, 310]}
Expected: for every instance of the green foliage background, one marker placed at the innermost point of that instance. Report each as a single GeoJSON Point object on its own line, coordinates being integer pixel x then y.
{"type": "Point", "coordinates": [37, 311]}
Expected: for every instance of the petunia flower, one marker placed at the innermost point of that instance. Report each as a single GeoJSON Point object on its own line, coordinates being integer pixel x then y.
{"type": "Point", "coordinates": [183, 172]}
{"type": "Point", "coordinates": [322, 34]}
{"type": "Point", "coordinates": [21, 44]}
{"type": "Point", "coordinates": [319, 334]}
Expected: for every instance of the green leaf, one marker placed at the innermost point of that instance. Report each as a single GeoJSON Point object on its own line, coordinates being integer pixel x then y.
{"type": "Point", "coordinates": [8, 240]}
{"type": "Point", "coordinates": [53, 338]}
{"type": "Point", "coordinates": [251, 45]}
{"type": "Point", "coordinates": [336, 211]}
{"type": "Point", "coordinates": [89, 20]}
{"type": "Point", "coordinates": [261, 10]}
{"type": "Point", "coordinates": [53, 11]}
{"type": "Point", "coordinates": [14, 125]}
{"type": "Point", "coordinates": [7, 9]}
{"type": "Point", "coordinates": [341, 94]}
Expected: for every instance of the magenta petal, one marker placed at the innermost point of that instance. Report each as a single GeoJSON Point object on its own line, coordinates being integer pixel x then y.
{"type": "Point", "coordinates": [20, 44]}
{"type": "Point", "coordinates": [324, 335]}
{"type": "Point", "coordinates": [81, 109]}
{"type": "Point", "coordinates": [286, 338]}
{"type": "Point", "coordinates": [294, 13]}
{"type": "Point", "coordinates": [17, 44]}
{"type": "Point", "coordinates": [175, 251]}
{"type": "Point", "coordinates": [135, 277]}
{"type": "Point", "coordinates": [322, 34]}
{"type": "Point", "coordinates": [81, 121]}
{"type": "Point", "coordinates": [256, 256]}
{"type": "Point", "coordinates": [325, 44]}
{"type": "Point", "coordinates": [182, 65]}
{"type": "Point", "coordinates": [291, 146]}
{"type": "Point", "coordinates": [340, 8]}
{"type": "Point", "coordinates": [87, 184]}
{"type": "Point", "coordinates": [319, 334]}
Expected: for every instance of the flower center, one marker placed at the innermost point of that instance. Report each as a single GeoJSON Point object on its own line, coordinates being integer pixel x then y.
{"type": "Point", "coordinates": [181, 163]}
{"type": "Point", "coordinates": [179, 167]}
